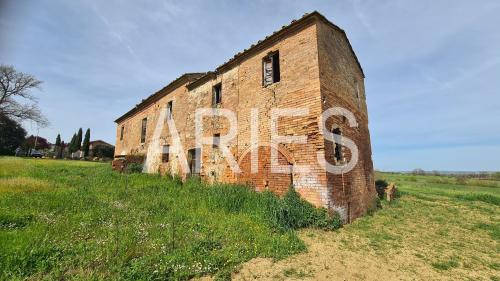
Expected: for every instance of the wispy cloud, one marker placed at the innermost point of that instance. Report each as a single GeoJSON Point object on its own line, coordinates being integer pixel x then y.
{"type": "Point", "coordinates": [114, 33]}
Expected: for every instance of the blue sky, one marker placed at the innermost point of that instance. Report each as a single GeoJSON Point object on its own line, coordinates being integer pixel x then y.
{"type": "Point", "coordinates": [432, 67]}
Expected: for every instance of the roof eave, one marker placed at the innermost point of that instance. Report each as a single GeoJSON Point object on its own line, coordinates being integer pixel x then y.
{"type": "Point", "coordinates": [183, 79]}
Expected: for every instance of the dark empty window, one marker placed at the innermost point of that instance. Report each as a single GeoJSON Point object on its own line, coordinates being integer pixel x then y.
{"type": "Point", "coordinates": [358, 95]}
{"type": "Point", "coordinates": [143, 129]}
{"type": "Point", "coordinates": [337, 145]}
{"type": "Point", "coordinates": [121, 132]}
{"type": "Point", "coordinates": [217, 94]}
{"type": "Point", "coordinates": [216, 141]}
{"type": "Point", "coordinates": [193, 158]}
{"type": "Point", "coordinates": [170, 106]}
{"type": "Point", "coordinates": [165, 154]}
{"type": "Point", "coordinates": [271, 69]}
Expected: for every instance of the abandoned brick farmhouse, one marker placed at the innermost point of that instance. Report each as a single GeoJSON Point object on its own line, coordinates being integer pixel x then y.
{"type": "Point", "coordinates": [308, 63]}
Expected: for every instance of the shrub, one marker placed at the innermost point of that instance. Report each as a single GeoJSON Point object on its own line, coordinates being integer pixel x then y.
{"type": "Point", "coordinates": [133, 168]}
{"type": "Point", "coordinates": [293, 212]}
{"type": "Point", "coordinates": [380, 185]}
{"type": "Point", "coordinates": [442, 180]}
{"type": "Point", "coordinates": [103, 151]}
{"type": "Point", "coordinates": [412, 179]}
{"type": "Point", "coordinates": [289, 212]}
{"type": "Point", "coordinates": [462, 180]}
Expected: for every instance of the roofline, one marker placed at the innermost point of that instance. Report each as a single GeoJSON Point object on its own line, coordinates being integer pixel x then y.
{"type": "Point", "coordinates": [91, 142]}
{"type": "Point", "coordinates": [331, 24]}
{"type": "Point", "coordinates": [295, 25]}
{"type": "Point", "coordinates": [97, 141]}
{"type": "Point", "coordinates": [196, 79]}
{"type": "Point", "coordinates": [185, 78]}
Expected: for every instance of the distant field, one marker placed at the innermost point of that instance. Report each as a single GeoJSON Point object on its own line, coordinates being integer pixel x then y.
{"type": "Point", "coordinates": [73, 220]}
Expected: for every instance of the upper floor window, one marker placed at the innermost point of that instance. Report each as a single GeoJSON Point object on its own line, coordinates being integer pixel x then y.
{"type": "Point", "coordinates": [337, 137]}
{"type": "Point", "coordinates": [170, 107]}
{"type": "Point", "coordinates": [271, 69]}
{"type": "Point", "coordinates": [217, 94]}
{"type": "Point", "coordinates": [121, 132]}
{"type": "Point", "coordinates": [143, 129]}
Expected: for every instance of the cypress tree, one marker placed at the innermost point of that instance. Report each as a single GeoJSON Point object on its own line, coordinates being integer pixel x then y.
{"type": "Point", "coordinates": [57, 147]}
{"type": "Point", "coordinates": [86, 143]}
{"type": "Point", "coordinates": [60, 153]}
{"type": "Point", "coordinates": [58, 140]}
{"type": "Point", "coordinates": [72, 144]}
{"type": "Point", "coordinates": [79, 140]}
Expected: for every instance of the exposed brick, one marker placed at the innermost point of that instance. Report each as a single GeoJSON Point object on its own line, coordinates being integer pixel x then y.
{"type": "Point", "coordinates": [318, 71]}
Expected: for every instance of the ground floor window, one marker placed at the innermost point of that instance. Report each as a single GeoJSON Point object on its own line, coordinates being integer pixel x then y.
{"type": "Point", "coordinates": [165, 155]}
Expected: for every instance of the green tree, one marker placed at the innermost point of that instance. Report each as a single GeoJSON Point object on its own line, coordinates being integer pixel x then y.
{"type": "Point", "coordinates": [35, 142]}
{"type": "Point", "coordinates": [104, 151]}
{"type": "Point", "coordinates": [79, 140]}
{"type": "Point", "coordinates": [58, 148]}
{"type": "Point", "coordinates": [72, 144]}
{"type": "Point", "coordinates": [58, 140]}
{"type": "Point", "coordinates": [60, 152]}
{"type": "Point", "coordinates": [12, 135]}
{"type": "Point", "coordinates": [86, 143]}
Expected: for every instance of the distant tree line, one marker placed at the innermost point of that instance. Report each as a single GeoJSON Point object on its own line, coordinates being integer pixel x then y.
{"type": "Point", "coordinates": [463, 175]}
{"type": "Point", "coordinates": [76, 143]}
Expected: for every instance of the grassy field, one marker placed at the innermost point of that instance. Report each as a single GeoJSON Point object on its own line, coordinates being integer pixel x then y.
{"type": "Point", "coordinates": [72, 220]}
{"type": "Point", "coordinates": [79, 220]}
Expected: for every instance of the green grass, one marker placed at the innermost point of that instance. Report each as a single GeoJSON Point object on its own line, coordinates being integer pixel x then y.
{"type": "Point", "coordinates": [79, 220]}
{"type": "Point", "coordinates": [443, 224]}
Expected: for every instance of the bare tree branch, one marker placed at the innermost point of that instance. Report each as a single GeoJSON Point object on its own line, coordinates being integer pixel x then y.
{"type": "Point", "coordinates": [15, 86]}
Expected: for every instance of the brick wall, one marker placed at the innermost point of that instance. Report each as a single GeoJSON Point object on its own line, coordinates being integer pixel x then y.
{"type": "Point", "coordinates": [342, 85]}
{"type": "Point", "coordinates": [317, 71]}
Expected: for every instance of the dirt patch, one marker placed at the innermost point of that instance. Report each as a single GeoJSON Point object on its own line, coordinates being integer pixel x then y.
{"type": "Point", "coordinates": [328, 259]}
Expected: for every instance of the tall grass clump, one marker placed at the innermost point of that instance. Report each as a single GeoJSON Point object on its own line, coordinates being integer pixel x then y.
{"type": "Point", "coordinates": [380, 186]}
{"type": "Point", "coordinates": [288, 213]}
{"type": "Point", "coordinates": [293, 212]}
{"type": "Point", "coordinates": [133, 168]}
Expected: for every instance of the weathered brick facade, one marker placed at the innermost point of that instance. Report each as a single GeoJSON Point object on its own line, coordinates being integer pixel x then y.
{"type": "Point", "coordinates": [317, 70]}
